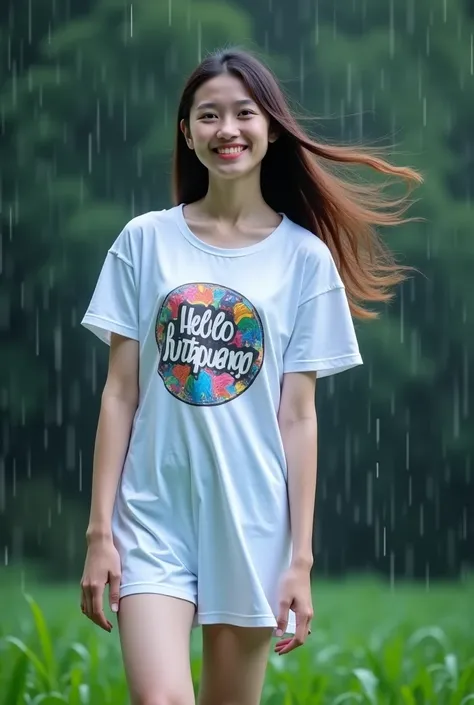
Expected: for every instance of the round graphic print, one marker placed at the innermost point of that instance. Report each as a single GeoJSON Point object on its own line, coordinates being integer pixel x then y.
{"type": "Point", "coordinates": [211, 344]}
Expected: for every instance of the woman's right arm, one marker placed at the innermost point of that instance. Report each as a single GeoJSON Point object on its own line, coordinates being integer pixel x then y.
{"type": "Point", "coordinates": [117, 411]}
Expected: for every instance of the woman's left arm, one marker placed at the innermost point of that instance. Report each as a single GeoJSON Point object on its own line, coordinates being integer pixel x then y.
{"type": "Point", "coordinates": [298, 427]}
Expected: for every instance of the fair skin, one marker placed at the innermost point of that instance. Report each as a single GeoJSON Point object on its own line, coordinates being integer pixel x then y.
{"type": "Point", "coordinates": [118, 406]}
{"type": "Point", "coordinates": [155, 629]}
{"type": "Point", "coordinates": [233, 212]}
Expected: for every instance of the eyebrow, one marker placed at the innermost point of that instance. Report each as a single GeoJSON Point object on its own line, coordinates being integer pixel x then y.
{"type": "Point", "coordinates": [245, 101]}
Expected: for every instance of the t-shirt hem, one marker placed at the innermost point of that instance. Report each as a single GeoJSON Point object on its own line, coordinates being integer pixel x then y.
{"type": "Point", "coordinates": [103, 328]}
{"type": "Point", "coordinates": [240, 620]}
{"type": "Point", "coordinates": [155, 589]}
{"type": "Point", "coordinates": [326, 367]}
{"type": "Point", "coordinates": [204, 618]}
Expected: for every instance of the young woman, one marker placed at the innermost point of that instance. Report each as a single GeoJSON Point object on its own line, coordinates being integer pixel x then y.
{"type": "Point", "coordinates": [220, 313]}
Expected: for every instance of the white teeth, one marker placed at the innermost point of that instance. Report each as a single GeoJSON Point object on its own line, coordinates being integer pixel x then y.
{"type": "Point", "coordinates": [230, 150]}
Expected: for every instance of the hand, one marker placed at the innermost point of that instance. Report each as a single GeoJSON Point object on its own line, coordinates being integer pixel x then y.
{"type": "Point", "coordinates": [102, 566]}
{"type": "Point", "coordinates": [295, 594]}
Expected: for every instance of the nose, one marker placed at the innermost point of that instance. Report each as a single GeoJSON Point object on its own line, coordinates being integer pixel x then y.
{"type": "Point", "coordinates": [228, 129]}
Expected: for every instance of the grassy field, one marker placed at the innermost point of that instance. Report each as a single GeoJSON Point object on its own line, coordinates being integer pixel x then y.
{"type": "Point", "coordinates": [370, 645]}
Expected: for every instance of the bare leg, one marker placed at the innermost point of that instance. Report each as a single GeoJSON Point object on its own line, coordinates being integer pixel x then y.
{"type": "Point", "coordinates": [234, 664]}
{"type": "Point", "coordinates": [155, 638]}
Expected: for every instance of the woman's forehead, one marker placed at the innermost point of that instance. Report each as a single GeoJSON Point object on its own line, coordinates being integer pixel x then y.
{"type": "Point", "coordinates": [222, 90]}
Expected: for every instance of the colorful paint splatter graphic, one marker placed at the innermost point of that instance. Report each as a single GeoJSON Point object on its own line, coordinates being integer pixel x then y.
{"type": "Point", "coordinates": [211, 344]}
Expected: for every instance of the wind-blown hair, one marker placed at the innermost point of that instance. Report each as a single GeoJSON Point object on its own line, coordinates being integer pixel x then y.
{"type": "Point", "coordinates": [298, 178]}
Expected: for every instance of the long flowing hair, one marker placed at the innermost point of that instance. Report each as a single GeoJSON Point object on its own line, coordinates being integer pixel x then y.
{"type": "Point", "coordinates": [299, 178]}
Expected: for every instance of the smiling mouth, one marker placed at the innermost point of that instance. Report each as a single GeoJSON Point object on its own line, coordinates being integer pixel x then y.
{"type": "Point", "coordinates": [229, 150]}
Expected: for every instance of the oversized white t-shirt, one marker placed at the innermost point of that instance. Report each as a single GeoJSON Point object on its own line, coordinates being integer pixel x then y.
{"type": "Point", "coordinates": [202, 508]}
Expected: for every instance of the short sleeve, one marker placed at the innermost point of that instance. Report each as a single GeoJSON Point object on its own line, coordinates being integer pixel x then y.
{"type": "Point", "coordinates": [323, 337]}
{"type": "Point", "coordinates": [114, 304]}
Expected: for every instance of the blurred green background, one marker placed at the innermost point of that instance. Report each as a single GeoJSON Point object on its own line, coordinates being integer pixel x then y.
{"type": "Point", "coordinates": [88, 93]}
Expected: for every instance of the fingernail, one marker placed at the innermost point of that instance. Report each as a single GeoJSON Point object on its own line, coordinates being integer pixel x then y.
{"type": "Point", "coordinates": [114, 607]}
{"type": "Point", "coordinates": [279, 632]}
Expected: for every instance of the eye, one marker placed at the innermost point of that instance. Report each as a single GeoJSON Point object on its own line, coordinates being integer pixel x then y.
{"type": "Point", "coordinates": [207, 116]}
{"type": "Point", "coordinates": [249, 113]}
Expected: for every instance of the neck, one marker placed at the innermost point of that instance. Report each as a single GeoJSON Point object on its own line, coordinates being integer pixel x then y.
{"type": "Point", "coordinates": [234, 200]}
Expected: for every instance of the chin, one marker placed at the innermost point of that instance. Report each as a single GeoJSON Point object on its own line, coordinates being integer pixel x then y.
{"type": "Point", "coordinates": [230, 172]}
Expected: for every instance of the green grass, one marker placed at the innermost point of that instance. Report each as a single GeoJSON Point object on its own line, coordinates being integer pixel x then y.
{"type": "Point", "coordinates": [371, 645]}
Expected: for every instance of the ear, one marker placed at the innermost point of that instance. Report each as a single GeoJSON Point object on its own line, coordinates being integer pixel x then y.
{"type": "Point", "coordinates": [273, 133]}
{"type": "Point", "coordinates": [187, 135]}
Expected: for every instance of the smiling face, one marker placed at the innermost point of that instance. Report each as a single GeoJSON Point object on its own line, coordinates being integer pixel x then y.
{"type": "Point", "coordinates": [228, 131]}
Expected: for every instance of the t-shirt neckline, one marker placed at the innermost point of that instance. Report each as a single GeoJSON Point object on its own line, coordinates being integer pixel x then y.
{"type": "Point", "coordinates": [226, 251]}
